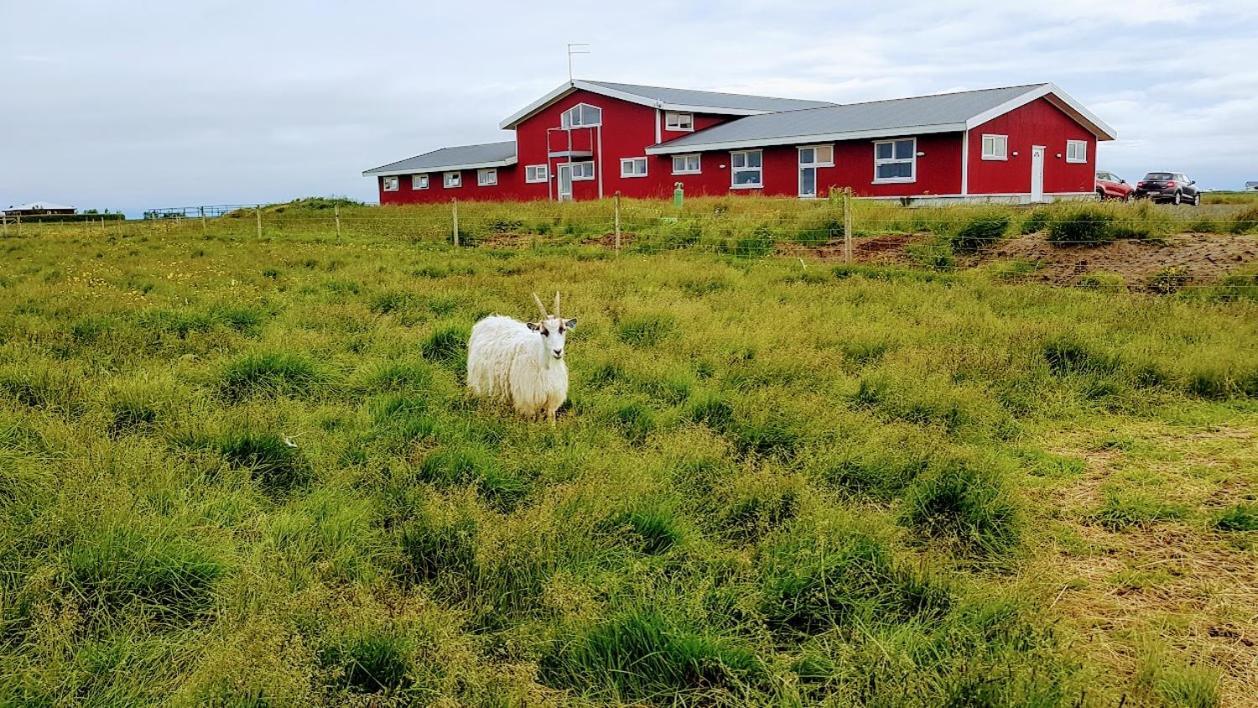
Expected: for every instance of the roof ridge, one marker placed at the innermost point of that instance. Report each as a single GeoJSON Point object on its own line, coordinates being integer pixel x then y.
{"type": "Point", "coordinates": [946, 93]}
{"type": "Point", "coordinates": [718, 93]}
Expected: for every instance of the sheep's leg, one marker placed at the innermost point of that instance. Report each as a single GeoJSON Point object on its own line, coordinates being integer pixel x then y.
{"type": "Point", "coordinates": [550, 415]}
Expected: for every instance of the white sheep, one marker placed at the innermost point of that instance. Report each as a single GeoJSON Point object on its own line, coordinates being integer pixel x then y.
{"type": "Point", "coordinates": [521, 362]}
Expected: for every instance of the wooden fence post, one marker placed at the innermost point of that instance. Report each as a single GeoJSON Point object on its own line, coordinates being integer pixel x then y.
{"type": "Point", "coordinates": [203, 227]}
{"type": "Point", "coordinates": [5, 221]}
{"type": "Point", "coordinates": [847, 225]}
{"type": "Point", "coordinates": [454, 212]}
{"type": "Point", "coordinates": [336, 211]}
{"type": "Point", "coordinates": [19, 223]}
{"type": "Point", "coordinates": [616, 206]}
{"type": "Point", "coordinates": [257, 212]}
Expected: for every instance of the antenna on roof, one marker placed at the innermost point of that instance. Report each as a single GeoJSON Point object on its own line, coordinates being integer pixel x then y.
{"type": "Point", "coordinates": [575, 48]}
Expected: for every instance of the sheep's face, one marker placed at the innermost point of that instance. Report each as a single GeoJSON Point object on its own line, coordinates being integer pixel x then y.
{"type": "Point", "coordinates": [553, 332]}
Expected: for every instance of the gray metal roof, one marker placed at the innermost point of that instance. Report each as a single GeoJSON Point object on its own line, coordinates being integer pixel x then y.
{"type": "Point", "coordinates": [948, 111]}
{"type": "Point", "coordinates": [40, 206]}
{"type": "Point", "coordinates": [710, 99]}
{"type": "Point", "coordinates": [463, 157]}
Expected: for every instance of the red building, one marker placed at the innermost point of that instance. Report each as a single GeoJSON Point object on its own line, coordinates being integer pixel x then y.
{"type": "Point", "coordinates": [589, 139]}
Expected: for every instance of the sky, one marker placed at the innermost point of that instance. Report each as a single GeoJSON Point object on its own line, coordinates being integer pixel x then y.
{"type": "Point", "coordinates": [130, 105]}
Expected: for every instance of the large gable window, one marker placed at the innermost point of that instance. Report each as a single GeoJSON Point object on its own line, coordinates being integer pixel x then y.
{"type": "Point", "coordinates": [895, 160]}
{"type": "Point", "coordinates": [746, 171]}
{"type": "Point", "coordinates": [582, 115]}
{"type": "Point", "coordinates": [676, 120]}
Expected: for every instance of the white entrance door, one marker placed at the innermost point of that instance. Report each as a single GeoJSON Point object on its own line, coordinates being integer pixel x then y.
{"type": "Point", "coordinates": [565, 181]}
{"type": "Point", "coordinates": [1037, 173]}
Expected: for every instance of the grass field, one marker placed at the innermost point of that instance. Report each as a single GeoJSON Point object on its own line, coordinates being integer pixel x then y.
{"type": "Point", "coordinates": [245, 472]}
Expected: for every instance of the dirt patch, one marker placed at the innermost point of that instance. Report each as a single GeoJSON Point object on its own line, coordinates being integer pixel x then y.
{"type": "Point", "coordinates": [1198, 258]}
{"type": "Point", "coordinates": [1195, 258]}
{"type": "Point", "coordinates": [609, 240]}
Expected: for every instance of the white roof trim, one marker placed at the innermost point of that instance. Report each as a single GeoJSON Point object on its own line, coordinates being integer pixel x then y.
{"type": "Point", "coordinates": [1063, 101]}
{"type": "Point", "coordinates": [577, 84]}
{"type": "Point", "coordinates": [440, 168]}
{"type": "Point", "coordinates": [667, 149]}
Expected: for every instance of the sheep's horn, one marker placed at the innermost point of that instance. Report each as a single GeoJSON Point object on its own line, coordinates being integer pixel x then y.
{"type": "Point", "coordinates": [540, 306]}
{"type": "Point", "coordinates": [557, 305]}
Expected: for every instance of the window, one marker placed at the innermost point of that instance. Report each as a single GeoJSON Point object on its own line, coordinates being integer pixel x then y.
{"type": "Point", "coordinates": [995, 147]}
{"type": "Point", "coordinates": [1076, 151]}
{"type": "Point", "coordinates": [895, 160]}
{"type": "Point", "coordinates": [686, 164]}
{"type": "Point", "coordinates": [633, 167]}
{"type": "Point", "coordinates": [452, 180]}
{"type": "Point", "coordinates": [816, 156]}
{"type": "Point", "coordinates": [582, 171]}
{"type": "Point", "coordinates": [679, 121]}
{"type": "Point", "coordinates": [389, 184]}
{"type": "Point", "coordinates": [746, 172]}
{"type": "Point", "coordinates": [419, 181]}
{"type": "Point", "coordinates": [810, 158]}
{"type": "Point", "coordinates": [536, 173]}
{"type": "Point", "coordinates": [486, 178]}
{"type": "Point", "coordinates": [582, 115]}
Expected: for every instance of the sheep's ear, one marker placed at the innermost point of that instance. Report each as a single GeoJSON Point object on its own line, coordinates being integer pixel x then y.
{"type": "Point", "coordinates": [570, 324]}
{"type": "Point", "coordinates": [533, 326]}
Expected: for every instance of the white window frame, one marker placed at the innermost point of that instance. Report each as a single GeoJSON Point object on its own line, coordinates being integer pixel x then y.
{"type": "Point", "coordinates": [390, 183]}
{"type": "Point", "coordinates": [452, 180]}
{"type": "Point", "coordinates": [631, 163]}
{"type": "Point", "coordinates": [815, 148]}
{"type": "Point", "coordinates": [997, 141]}
{"type": "Point", "coordinates": [734, 170]}
{"type": "Point", "coordinates": [893, 160]}
{"type": "Point", "coordinates": [419, 182]}
{"type": "Point", "coordinates": [685, 170]}
{"type": "Point", "coordinates": [566, 122]}
{"type": "Point", "coordinates": [679, 121]}
{"type": "Point", "coordinates": [579, 170]}
{"type": "Point", "coordinates": [1080, 146]}
{"type": "Point", "coordinates": [535, 174]}
{"type": "Point", "coordinates": [487, 177]}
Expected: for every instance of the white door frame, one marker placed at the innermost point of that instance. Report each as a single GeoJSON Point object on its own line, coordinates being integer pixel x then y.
{"type": "Point", "coordinates": [564, 173]}
{"type": "Point", "coordinates": [1037, 173]}
{"type": "Point", "coordinates": [799, 172]}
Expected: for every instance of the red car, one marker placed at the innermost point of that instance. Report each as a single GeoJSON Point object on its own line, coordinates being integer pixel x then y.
{"type": "Point", "coordinates": [1111, 186]}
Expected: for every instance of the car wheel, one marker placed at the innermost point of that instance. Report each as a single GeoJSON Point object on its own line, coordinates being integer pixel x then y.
{"type": "Point", "coordinates": [1128, 197]}
{"type": "Point", "coordinates": [1179, 199]}
{"type": "Point", "coordinates": [1100, 195]}
{"type": "Point", "coordinates": [1196, 199]}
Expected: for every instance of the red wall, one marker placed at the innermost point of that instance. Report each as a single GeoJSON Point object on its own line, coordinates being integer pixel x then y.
{"type": "Point", "coordinates": [1037, 123]}
{"type": "Point", "coordinates": [629, 128]}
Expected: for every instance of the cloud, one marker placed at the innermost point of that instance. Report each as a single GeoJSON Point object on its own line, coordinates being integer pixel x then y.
{"type": "Point", "coordinates": [137, 104]}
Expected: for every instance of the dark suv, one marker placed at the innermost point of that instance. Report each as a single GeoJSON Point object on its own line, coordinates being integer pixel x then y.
{"type": "Point", "coordinates": [1171, 187]}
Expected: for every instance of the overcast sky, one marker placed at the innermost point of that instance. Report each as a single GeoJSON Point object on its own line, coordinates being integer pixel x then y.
{"type": "Point", "coordinates": [131, 105]}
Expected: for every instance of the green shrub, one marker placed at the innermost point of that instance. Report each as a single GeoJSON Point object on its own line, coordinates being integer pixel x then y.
{"type": "Point", "coordinates": [642, 655]}
{"type": "Point", "coordinates": [981, 232]}
{"type": "Point", "coordinates": [276, 465]}
{"type": "Point", "coordinates": [933, 256]}
{"type": "Point", "coordinates": [968, 502]}
{"type": "Point", "coordinates": [1134, 510]}
{"type": "Point", "coordinates": [446, 344]}
{"type": "Point", "coordinates": [649, 529]}
{"type": "Point", "coordinates": [814, 582]}
{"type": "Point", "coordinates": [1239, 517]}
{"type": "Point", "coordinates": [371, 661]}
{"type": "Point", "coordinates": [269, 373]}
{"type": "Point", "coordinates": [1081, 226]}
{"type": "Point", "coordinates": [645, 330]}
{"type": "Point", "coordinates": [1246, 221]}
{"type": "Point", "coordinates": [1067, 356]}
{"type": "Point", "coordinates": [139, 563]}
{"type": "Point", "coordinates": [758, 244]}
{"type": "Point", "coordinates": [1035, 221]}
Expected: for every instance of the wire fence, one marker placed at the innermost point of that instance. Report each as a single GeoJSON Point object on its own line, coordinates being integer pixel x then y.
{"type": "Point", "coordinates": [865, 239]}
